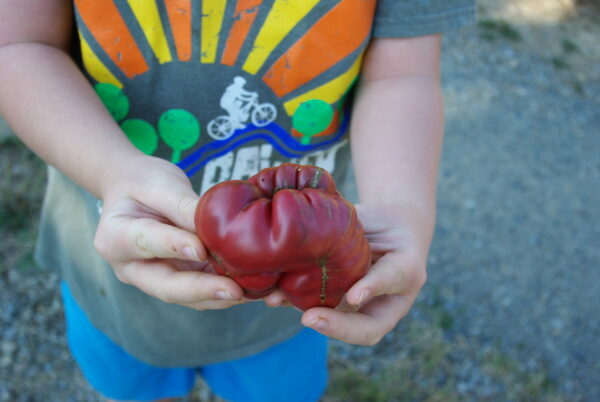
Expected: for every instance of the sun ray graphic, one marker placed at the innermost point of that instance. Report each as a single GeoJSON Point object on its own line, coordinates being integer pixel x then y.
{"type": "Point", "coordinates": [212, 21]}
{"type": "Point", "coordinates": [180, 19]}
{"type": "Point", "coordinates": [322, 46]}
{"type": "Point", "coordinates": [117, 42]}
{"type": "Point", "coordinates": [146, 13]}
{"type": "Point", "coordinates": [334, 37]}
{"type": "Point", "coordinates": [282, 18]}
{"type": "Point", "coordinates": [94, 65]}
{"type": "Point", "coordinates": [245, 13]}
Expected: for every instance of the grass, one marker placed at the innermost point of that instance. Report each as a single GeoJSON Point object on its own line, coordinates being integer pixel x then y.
{"type": "Point", "coordinates": [420, 374]}
{"type": "Point", "coordinates": [493, 29]}
{"type": "Point", "coordinates": [569, 46]}
{"type": "Point", "coordinates": [430, 365]}
{"type": "Point", "coordinates": [559, 63]}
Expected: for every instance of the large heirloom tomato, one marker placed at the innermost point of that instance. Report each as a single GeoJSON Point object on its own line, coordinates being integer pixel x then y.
{"type": "Point", "coordinates": [287, 227]}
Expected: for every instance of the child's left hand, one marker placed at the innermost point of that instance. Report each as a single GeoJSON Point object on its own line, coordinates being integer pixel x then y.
{"type": "Point", "coordinates": [399, 240]}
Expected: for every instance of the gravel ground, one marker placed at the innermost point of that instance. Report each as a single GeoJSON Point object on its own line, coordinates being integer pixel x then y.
{"type": "Point", "coordinates": [514, 263]}
{"type": "Point", "coordinates": [517, 247]}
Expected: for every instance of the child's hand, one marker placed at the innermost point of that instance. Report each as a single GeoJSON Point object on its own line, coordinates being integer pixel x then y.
{"type": "Point", "coordinates": [146, 232]}
{"type": "Point", "coordinates": [375, 304]}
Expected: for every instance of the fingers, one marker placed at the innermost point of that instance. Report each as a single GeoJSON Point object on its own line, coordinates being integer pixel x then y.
{"type": "Point", "coordinates": [394, 273]}
{"type": "Point", "coordinates": [171, 195]}
{"type": "Point", "coordinates": [123, 238]}
{"type": "Point", "coordinates": [179, 207]}
{"type": "Point", "coordinates": [366, 327]}
{"type": "Point", "coordinates": [156, 186]}
{"type": "Point", "coordinates": [380, 299]}
{"type": "Point", "coordinates": [192, 288]}
{"type": "Point", "coordinates": [277, 299]}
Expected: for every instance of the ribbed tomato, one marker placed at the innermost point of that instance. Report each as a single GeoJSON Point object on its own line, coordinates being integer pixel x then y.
{"type": "Point", "coordinates": [287, 227]}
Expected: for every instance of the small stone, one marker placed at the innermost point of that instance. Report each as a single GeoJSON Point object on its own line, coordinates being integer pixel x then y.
{"type": "Point", "coordinates": [7, 348]}
{"type": "Point", "coordinates": [470, 204]}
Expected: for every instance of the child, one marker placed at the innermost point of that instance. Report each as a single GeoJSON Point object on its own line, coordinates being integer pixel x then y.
{"type": "Point", "coordinates": [174, 96]}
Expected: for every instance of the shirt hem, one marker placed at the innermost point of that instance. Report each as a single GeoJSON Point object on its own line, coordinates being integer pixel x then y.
{"type": "Point", "coordinates": [425, 25]}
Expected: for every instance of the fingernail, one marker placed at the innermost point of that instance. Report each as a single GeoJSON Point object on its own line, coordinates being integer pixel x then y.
{"type": "Point", "coordinates": [364, 296]}
{"type": "Point", "coordinates": [190, 253]}
{"type": "Point", "coordinates": [224, 295]}
{"type": "Point", "coordinates": [318, 323]}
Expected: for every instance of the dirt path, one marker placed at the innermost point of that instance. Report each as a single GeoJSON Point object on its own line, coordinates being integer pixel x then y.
{"type": "Point", "coordinates": [515, 256]}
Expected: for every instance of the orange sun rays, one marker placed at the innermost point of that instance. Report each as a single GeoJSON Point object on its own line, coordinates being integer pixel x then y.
{"type": "Point", "coordinates": [331, 39]}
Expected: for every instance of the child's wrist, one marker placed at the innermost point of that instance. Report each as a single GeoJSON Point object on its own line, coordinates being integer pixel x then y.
{"type": "Point", "coordinates": [124, 164]}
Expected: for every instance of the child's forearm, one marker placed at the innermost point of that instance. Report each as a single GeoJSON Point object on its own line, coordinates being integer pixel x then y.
{"type": "Point", "coordinates": [397, 134]}
{"type": "Point", "coordinates": [397, 137]}
{"type": "Point", "coordinates": [54, 110]}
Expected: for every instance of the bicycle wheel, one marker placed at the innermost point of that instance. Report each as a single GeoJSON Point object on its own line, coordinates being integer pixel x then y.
{"type": "Point", "coordinates": [263, 114]}
{"type": "Point", "coordinates": [220, 128]}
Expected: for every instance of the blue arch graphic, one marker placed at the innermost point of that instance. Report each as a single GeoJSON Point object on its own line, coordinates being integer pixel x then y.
{"type": "Point", "coordinates": [281, 140]}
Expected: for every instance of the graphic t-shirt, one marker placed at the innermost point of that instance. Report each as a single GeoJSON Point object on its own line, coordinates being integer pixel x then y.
{"type": "Point", "coordinates": [226, 88]}
{"type": "Point", "coordinates": [222, 88]}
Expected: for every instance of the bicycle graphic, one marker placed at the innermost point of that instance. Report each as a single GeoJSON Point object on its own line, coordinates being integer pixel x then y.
{"type": "Point", "coordinates": [240, 105]}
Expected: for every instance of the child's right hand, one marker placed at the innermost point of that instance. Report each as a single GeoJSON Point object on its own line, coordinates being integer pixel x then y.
{"type": "Point", "coordinates": [146, 233]}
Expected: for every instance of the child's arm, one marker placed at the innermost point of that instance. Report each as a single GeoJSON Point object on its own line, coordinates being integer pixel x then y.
{"type": "Point", "coordinates": [146, 231]}
{"type": "Point", "coordinates": [396, 139]}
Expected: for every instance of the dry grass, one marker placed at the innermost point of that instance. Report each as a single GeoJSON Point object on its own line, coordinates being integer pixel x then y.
{"type": "Point", "coordinates": [552, 29]}
{"type": "Point", "coordinates": [432, 366]}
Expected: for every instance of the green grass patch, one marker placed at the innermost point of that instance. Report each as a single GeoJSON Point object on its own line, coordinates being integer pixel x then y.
{"type": "Point", "coordinates": [350, 385]}
{"type": "Point", "coordinates": [419, 375]}
{"type": "Point", "coordinates": [519, 383]}
{"type": "Point", "coordinates": [559, 63]}
{"type": "Point", "coordinates": [492, 29]}
{"type": "Point", "coordinates": [569, 46]}
{"type": "Point", "coordinates": [427, 364]}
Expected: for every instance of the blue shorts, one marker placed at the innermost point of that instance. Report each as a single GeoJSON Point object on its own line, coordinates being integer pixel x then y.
{"type": "Point", "coordinates": [294, 370]}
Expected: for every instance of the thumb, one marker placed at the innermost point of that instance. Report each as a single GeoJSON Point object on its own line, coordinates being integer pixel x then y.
{"type": "Point", "coordinates": [176, 201]}
{"type": "Point", "coordinates": [183, 214]}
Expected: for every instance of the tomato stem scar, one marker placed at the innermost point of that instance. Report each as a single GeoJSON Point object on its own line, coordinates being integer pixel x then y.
{"type": "Point", "coordinates": [316, 178]}
{"type": "Point", "coordinates": [324, 279]}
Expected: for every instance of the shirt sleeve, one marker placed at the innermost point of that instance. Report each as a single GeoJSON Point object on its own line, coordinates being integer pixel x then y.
{"type": "Point", "coordinates": [406, 18]}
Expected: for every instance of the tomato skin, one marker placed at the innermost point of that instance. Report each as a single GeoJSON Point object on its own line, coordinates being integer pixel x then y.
{"type": "Point", "coordinates": [287, 227]}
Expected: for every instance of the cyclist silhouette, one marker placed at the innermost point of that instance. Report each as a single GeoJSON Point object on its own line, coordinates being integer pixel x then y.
{"type": "Point", "coordinates": [237, 102]}
{"type": "Point", "coordinates": [241, 105]}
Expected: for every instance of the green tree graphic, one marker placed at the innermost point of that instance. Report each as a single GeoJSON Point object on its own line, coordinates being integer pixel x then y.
{"type": "Point", "coordinates": [312, 117]}
{"type": "Point", "coordinates": [141, 134]}
{"type": "Point", "coordinates": [114, 100]}
{"type": "Point", "coordinates": [179, 129]}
